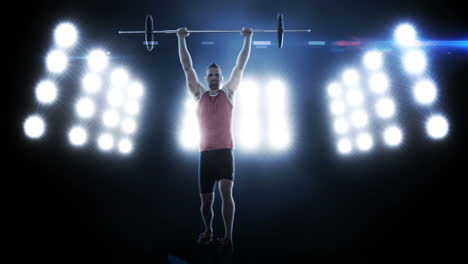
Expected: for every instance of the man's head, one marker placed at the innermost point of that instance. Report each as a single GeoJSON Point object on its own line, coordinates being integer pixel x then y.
{"type": "Point", "coordinates": [214, 77]}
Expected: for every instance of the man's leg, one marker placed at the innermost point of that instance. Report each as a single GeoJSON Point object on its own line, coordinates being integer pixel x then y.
{"type": "Point", "coordinates": [207, 184]}
{"type": "Point", "coordinates": [225, 188]}
{"type": "Point", "coordinates": [207, 211]}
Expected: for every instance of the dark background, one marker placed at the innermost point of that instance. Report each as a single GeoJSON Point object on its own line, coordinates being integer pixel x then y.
{"type": "Point", "coordinates": [66, 205]}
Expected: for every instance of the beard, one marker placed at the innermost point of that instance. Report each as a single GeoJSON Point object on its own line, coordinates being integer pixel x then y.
{"type": "Point", "coordinates": [214, 85]}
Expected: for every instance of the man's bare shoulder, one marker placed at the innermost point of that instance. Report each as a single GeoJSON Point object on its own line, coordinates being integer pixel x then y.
{"type": "Point", "coordinates": [229, 92]}
{"type": "Point", "coordinates": [199, 92]}
{"type": "Point", "coordinates": [202, 88]}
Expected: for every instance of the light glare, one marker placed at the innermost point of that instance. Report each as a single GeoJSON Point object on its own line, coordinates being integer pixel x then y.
{"type": "Point", "coordinates": [378, 83]}
{"type": "Point", "coordinates": [97, 60]}
{"type": "Point", "coordinates": [132, 108]}
{"type": "Point", "coordinates": [341, 126]}
{"type": "Point", "coordinates": [128, 126]}
{"type": "Point", "coordinates": [85, 108]}
{"type": "Point", "coordinates": [405, 35]}
{"type": "Point", "coordinates": [115, 97]}
{"type": "Point", "coordinates": [334, 90]}
{"type": "Point", "coordinates": [249, 135]}
{"type": "Point", "coordinates": [46, 92]}
{"type": "Point", "coordinates": [279, 136]}
{"type": "Point", "coordinates": [77, 136]}
{"type": "Point", "coordinates": [57, 61]}
{"type": "Point", "coordinates": [393, 136]}
{"type": "Point", "coordinates": [345, 146]}
{"type": "Point", "coordinates": [189, 136]}
{"type": "Point", "coordinates": [373, 60]}
{"type": "Point", "coordinates": [355, 97]}
{"type": "Point", "coordinates": [364, 141]}
{"type": "Point", "coordinates": [92, 83]}
{"type": "Point", "coordinates": [190, 105]}
{"type": "Point", "coordinates": [65, 35]}
{"type": "Point", "coordinates": [34, 127]}
{"type": "Point", "coordinates": [437, 126]}
{"type": "Point", "coordinates": [105, 141]}
{"type": "Point", "coordinates": [350, 77]}
{"type": "Point", "coordinates": [337, 107]}
{"type": "Point", "coordinates": [359, 118]}
{"type": "Point", "coordinates": [425, 92]}
{"type": "Point", "coordinates": [110, 118]}
{"type": "Point", "coordinates": [414, 61]}
{"type": "Point", "coordinates": [277, 96]}
{"type": "Point", "coordinates": [119, 77]}
{"type": "Point", "coordinates": [125, 146]}
{"type": "Point", "coordinates": [385, 107]}
{"type": "Point", "coordinates": [135, 90]}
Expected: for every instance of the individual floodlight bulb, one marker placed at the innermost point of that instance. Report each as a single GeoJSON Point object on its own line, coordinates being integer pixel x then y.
{"type": "Point", "coordinates": [34, 126]}
{"type": "Point", "coordinates": [125, 146]}
{"type": "Point", "coordinates": [111, 118]}
{"type": "Point", "coordinates": [46, 92]}
{"type": "Point", "coordinates": [405, 35]}
{"type": "Point", "coordinates": [415, 61]}
{"type": "Point", "coordinates": [119, 77]}
{"type": "Point", "coordinates": [56, 61]}
{"type": "Point", "coordinates": [393, 136]}
{"type": "Point", "coordinates": [385, 108]}
{"type": "Point", "coordinates": [378, 82]}
{"type": "Point", "coordinates": [85, 108]}
{"type": "Point", "coordinates": [350, 77]}
{"type": "Point", "coordinates": [65, 35]}
{"type": "Point", "coordinates": [424, 92]}
{"type": "Point", "coordinates": [373, 60]}
{"type": "Point", "coordinates": [337, 107]}
{"type": "Point", "coordinates": [341, 126]}
{"type": "Point", "coordinates": [437, 126]}
{"type": "Point", "coordinates": [344, 146]}
{"type": "Point", "coordinates": [77, 136]}
{"type": "Point", "coordinates": [135, 90]}
{"type": "Point", "coordinates": [364, 141]}
{"type": "Point", "coordinates": [97, 60]}
{"type": "Point", "coordinates": [128, 126]}
{"type": "Point", "coordinates": [105, 141]}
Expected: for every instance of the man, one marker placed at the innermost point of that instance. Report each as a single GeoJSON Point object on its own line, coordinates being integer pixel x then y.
{"type": "Point", "coordinates": [214, 113]}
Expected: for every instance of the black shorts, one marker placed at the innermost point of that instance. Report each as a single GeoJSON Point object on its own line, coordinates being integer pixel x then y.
{"type": "Point", "coordinates": [215, 165]}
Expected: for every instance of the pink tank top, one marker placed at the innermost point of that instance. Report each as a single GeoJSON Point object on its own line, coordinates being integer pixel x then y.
{"type": "Point", "coordinates": [215, 121]}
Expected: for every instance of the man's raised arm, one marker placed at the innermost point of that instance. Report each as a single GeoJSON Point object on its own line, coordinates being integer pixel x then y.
{"type": "Point", "coordinates": [186, 60]}
{"type": "Point", "coordinates": [244, 55]}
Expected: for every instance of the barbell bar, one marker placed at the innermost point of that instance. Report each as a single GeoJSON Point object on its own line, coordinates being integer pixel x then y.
{"type": "Point", "coordinates": [149, 31]}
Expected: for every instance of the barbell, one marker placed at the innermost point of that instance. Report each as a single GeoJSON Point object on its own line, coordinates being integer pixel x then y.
{"type": "Point", "coordinates": [149, 31]}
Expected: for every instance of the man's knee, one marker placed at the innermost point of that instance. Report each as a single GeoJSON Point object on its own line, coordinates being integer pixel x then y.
{"type": "Point", "coordinates": [225, 188]}
{"type": "Point", "coordinates": [207, 199]}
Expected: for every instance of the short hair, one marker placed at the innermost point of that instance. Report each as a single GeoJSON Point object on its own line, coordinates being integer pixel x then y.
{"type": "Point", "coordinates": [213, 65]}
